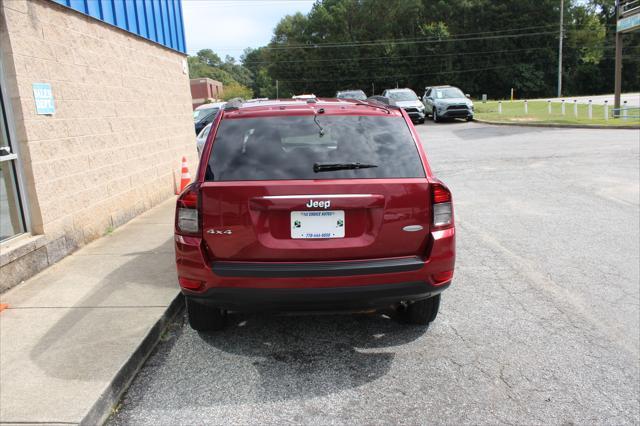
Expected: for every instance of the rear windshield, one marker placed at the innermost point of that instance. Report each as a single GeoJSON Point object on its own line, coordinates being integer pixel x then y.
{"type": "Point", "coordinates": [279, 148]}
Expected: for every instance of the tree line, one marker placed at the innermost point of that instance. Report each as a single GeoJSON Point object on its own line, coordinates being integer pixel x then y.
{"type": "Point", "coordinates": [482, 46]}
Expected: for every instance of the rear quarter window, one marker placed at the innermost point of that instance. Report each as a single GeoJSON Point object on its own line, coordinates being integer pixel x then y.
{"type": "Point", "coordinates": [282, 148]}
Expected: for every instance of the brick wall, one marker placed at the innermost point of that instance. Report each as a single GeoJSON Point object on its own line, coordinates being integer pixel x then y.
{"type": "Point", "coordinates": [203, 89]}
{"type": "Point", "coordinates": [122, 121]}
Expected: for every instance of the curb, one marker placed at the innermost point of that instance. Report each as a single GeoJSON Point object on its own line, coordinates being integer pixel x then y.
{"type": "Point", "coordinates": [557, 126]}
{"type": "Point", "coordinates": [102, 408]}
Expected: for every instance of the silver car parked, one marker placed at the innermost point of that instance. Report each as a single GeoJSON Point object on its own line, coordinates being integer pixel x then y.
{"type": "Point", "coordinates": [408, 101]}
{"type": "Point", "coordinates": [443, 102]}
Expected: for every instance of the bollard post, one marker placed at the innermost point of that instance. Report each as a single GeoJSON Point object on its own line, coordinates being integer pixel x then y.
{"type": "Point", "coordinates": [624, 110]}
{"type": "Point", "coordinates": [590, 110]}
{"type": "Point", "coordinates": [526, 107]}
{"type": "Point", "coordinates": [499, 107]}
{"type": "Point", "coordinates": [575, 107]}
{"type": "Point", "coordinates": [606, 110]}
{"type": "Point", "coordinates": [563, 110]}
{"type": "Point", "coordinates": [549, 107]}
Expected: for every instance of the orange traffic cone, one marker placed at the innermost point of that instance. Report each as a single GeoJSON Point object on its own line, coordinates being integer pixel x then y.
{"type": "Point", "coordinates": [185, 176]}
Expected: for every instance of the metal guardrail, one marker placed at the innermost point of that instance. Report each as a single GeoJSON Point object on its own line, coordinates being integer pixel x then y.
{"type": "Point", "coordinates": [626, 112]}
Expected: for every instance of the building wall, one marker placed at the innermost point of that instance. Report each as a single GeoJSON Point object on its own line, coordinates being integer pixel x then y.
{"type": "Point", "coordinates": [122, 123]}
{"type": "Point", "coordinates": [203, 89]}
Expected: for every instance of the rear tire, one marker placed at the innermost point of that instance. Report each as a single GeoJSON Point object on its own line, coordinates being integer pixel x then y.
{"type": "Point", "coordinates": [435, 116]}
{"type": "Point", "coordinates": [204, 318]}
{"type": "Point", "coordinates": [422, 312]}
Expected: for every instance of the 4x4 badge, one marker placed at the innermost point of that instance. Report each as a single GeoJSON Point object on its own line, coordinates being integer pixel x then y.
{"type": "Point", "coordinates": [219, 231]}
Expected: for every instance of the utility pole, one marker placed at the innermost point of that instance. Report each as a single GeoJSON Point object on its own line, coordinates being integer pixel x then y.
{"type": "Point", "coordinates": [617, 89]}
{"type": "Point", "coordinates": [373, 88]}
{"type": "Point", "coordinates": [560, 48]}
{"type": "Point", "coordinates": [627, 20]}
{"type": "Point", "coordinates": [277, 90]}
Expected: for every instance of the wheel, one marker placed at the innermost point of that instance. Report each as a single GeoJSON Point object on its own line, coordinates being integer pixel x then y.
{"type": "Point", "coordinates": [470, 118]}
{"type": "Point", "coordinates": [421, 121]}
{"type": "Point", "coordinates": [422, 312]}
{"type": "Point", "coordinates": [435, 115]}
{"type": "Point", "coordinates": [204, 318]}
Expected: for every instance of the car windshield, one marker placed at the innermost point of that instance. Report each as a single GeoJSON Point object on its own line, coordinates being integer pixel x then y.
{"type": "Point", "coordinates": [354, 94]}
{"type": "Point", "coordinates": [278, 148]}
{"type": "Point", "coordinates": [447, 93]}
{"type": "Point", "coordinates": [404, 95]}
{"type": "Point", "coordinates": [202, 113]}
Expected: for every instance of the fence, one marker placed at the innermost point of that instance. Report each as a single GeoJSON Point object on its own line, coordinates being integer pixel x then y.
{"type": "Point", "coordinates": [625, 112]}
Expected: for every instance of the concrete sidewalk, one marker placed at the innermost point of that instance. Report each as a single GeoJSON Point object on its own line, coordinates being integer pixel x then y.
{"type": "Point", "coordinates": [75, 334]}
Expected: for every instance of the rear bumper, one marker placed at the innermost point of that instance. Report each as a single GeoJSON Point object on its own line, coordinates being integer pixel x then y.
{"type": "Point", "coordinates": [318, 299]}
{"type": "Point", "coordinates": [316, 269]}
{"type": "Point", "coordinates": [334, 285]}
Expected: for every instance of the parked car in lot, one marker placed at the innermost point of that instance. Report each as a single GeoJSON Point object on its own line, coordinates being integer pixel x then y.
{"type": "Point", "coordinates": [351, 94]}
{"type": "Point", "coordinates": [444, 102]}
{"type": "Point", "coordinates": [320, 206]}
{"type": "Point", "coordinates": [202, 137]}
{"type": "Point", "coordinates": [204, 114]}
{"type": "Point", "coordinates": [407, 100]}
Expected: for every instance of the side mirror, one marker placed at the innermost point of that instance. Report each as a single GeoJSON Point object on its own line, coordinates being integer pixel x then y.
{"type": "Point", "coordinates": [467, 95]}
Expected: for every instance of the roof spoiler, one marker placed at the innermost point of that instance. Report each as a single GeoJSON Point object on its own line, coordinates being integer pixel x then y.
{"type": "Point", "coordinates": [233, 104]}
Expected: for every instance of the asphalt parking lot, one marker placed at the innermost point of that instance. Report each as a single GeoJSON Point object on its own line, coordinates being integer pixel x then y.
{"type": "Point", "coordinates": [540, 325]}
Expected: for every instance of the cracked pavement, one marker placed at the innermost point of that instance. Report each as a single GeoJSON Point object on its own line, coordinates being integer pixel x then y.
{"type": "Point", "coordinates": [539, 326]}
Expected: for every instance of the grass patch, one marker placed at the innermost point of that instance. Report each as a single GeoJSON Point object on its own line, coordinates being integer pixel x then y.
{"type": "Point", "coordinates": [513, 112]}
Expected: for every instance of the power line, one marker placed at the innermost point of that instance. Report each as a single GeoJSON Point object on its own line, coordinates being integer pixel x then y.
{"type": "Point", "coordinates": [400, 57]}
{"type": "Point", "coordinates": [358, 67]}
{"type": "Point", "coordinates": [441, 40]}
{"type": "Point", "coordinates": [404, 76]}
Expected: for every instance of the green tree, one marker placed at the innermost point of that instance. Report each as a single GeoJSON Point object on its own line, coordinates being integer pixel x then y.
{"type": "Point", "coordinates": [483, 46]}
{"type": "Point", "coordinates": [236, 90]}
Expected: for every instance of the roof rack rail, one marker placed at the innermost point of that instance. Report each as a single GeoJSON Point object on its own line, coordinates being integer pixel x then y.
{"type": "Point", "coordinates": [381, 100]}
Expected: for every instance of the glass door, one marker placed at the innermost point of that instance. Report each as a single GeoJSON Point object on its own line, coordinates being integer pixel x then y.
{"type": "Point", "coordinates": [12, 217]}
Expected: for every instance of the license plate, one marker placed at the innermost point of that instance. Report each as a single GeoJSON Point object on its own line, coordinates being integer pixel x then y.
{"type": "Point", "coordinates": [317, 224]}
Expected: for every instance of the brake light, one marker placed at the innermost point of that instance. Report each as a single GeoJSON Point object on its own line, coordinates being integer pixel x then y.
{"type": "Point", "coordinates": [187, 215]}
{"type": "Point", "coordinates": [441, 206]}
{"type": "Point", "coordinates": [440, 194]}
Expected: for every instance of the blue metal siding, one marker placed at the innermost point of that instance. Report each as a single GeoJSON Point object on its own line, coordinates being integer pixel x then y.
{"type": "Point", "coordinates": [160, 21]}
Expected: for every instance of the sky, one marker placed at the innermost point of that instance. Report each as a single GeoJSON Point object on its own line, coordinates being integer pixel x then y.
{"type": "Point", "coordinates": [229, 26]}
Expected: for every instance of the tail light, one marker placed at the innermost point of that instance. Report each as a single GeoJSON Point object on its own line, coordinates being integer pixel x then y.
{"type": "Point", "coordinates": [442, 207]}
{"type": "Point", "coordinates": [187, 211]}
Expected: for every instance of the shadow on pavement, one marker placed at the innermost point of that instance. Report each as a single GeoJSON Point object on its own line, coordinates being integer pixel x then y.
{"type": "Point", "coordinates": [68, 350]}
{"type": "Point", "coordinates": [485, 131]}
{"type": "Point", "coordinates": [262, 358]}
{"type": "Point", "coordinates": [308, 356]}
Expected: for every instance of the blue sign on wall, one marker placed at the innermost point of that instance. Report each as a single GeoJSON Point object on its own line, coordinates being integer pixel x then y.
{"type": "Point", "coordinates": [44, 98]}
{"type": "Point", "coordinates": [156, 20]}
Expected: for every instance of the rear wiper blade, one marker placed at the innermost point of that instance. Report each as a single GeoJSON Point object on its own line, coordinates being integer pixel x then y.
{"type": "Point", "coordinates": [327, 167]}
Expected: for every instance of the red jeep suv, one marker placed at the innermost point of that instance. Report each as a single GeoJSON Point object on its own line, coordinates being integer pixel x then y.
{"type": "Point", "coordinates": [313, 205]}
